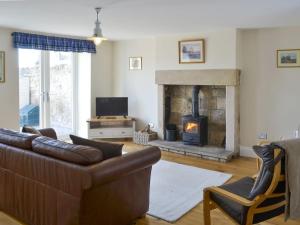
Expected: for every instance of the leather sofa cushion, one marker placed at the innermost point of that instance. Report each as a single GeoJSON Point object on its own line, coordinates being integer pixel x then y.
{"type": "Point", "coordinates": [16, 139]}
{"type": "Point", "coordinates": [48, 132]}
{"type": "Point", "coordinates": [31, 130]}
{"type": "Point", "coordinates": [77, 154]}
{"type": "Point", "coordinates": [108, 149]}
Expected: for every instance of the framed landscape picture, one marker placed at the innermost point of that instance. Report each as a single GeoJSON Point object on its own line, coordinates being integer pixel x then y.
{"type": "Point", "coordinates": [135, 63]}
{"type": "Point", "coordinates": [192, 51]}
{"type": "Point", "coordinates": [288, 58]}
{"type": "Point", "coordinates": [2, 67]}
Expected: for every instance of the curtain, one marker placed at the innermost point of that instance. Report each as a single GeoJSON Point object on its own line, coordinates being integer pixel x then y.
{"type": "Point", "coordinates": [51, 43]}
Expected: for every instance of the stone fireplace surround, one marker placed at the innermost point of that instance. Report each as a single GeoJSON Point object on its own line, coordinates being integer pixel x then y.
{"type": "Point", "coordinates": [228, 78]}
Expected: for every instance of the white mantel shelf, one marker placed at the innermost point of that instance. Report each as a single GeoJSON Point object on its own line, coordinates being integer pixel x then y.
{"type": "Point", "coordinates": [225, 77]}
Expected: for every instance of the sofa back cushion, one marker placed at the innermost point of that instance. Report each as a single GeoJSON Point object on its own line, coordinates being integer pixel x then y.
{"type": "Point", "coordinates": [77, 154]}
{"type": "Point", "coordinates": [16, 139]}
{"type": "Point", "coordinates": [30, 130]}
{"type": "Point", "coordinates": [108, 149]}
{"type": "Point", "coordinates": [48, 132]}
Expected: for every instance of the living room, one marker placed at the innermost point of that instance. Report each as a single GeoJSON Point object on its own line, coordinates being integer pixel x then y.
{"type": "Point", "coordinates": [244, 82]}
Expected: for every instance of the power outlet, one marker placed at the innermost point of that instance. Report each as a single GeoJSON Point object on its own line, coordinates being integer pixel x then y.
{"type": "Point", "coordinates": [296, 133]}
{"type": "Point", "coordinates": [263, 136]}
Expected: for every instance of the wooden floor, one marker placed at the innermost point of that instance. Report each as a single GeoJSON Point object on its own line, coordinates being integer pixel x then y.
{"type": "Point", "coordinates": [238, 167]}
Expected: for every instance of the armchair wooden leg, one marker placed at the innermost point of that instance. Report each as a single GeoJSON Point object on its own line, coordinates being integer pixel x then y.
{"type": "Point", "coordinates": [206, 208]}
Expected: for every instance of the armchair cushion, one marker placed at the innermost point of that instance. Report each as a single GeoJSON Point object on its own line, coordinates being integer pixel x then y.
{"type": "Point", "coordinates": [264, 179]}
{"type": "Point", "coordinates": [242, 188]}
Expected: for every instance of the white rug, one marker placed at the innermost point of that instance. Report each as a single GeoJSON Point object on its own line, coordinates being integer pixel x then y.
{"type": "Point", "coordinates": [176, 188]}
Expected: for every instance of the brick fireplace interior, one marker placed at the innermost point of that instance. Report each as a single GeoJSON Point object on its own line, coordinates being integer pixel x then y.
{"type": "Point", "coordinates": [212, 104]}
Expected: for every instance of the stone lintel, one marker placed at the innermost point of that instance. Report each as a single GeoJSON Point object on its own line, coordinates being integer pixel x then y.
{"type": "Point", "coordinates": [225, 77]}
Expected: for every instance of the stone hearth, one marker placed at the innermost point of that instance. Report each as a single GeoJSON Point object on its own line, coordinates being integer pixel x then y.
{"type": "Point", "coordinates": [219, 99]}
{"type": "Point", "coordinates": [207, 152]}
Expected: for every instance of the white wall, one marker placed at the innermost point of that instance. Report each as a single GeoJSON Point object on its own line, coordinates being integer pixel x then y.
{"type": "Point", "coordinates": [220, 51]}
{"type": "Point", "coordinates": [139, 86]}
{"type": "Point", "coordinates": [102, 75]}
{"type": "Point", "coordinates": [83, 94]}
{"type": "Point", "coordinates": [269, 95]}
{"type": "Point", "coordinates": [9, 92]}
{"type": "Point", "coordinates": [162, 54]}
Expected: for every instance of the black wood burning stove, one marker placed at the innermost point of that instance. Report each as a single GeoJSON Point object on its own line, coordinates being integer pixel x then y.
{"type": "Point", "coordinates": [195, 127]}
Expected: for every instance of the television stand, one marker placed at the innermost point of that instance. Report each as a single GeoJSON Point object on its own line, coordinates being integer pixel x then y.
{"type": "Point", "coordinates": [111, 127]}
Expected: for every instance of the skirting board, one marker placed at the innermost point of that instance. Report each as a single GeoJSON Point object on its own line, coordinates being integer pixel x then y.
{"type": "Point", "coordinates": [247, 152]}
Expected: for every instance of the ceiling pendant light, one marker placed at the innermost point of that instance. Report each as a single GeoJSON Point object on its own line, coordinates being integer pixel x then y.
{"type": "Point", "coordinates": [98, 36]}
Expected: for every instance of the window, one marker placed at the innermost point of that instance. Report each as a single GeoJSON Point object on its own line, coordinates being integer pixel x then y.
{"type": "Point", "coordinates": [48, 89]}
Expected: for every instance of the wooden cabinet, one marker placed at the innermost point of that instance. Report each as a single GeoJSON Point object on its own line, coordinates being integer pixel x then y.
{"type": "Point", "coordinates": [111, 127]}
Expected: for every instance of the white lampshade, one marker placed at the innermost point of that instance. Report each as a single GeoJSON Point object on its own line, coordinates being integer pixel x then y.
{"type": "Point", "coordinates": [98, 40]}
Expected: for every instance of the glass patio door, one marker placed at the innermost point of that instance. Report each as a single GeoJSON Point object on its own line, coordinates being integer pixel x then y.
{"type": "Point", "coordinates": [47, 90]}
{"type": "Point", "coordinates": [30, 88]}
{"type": "Point", "coordinates": [60, 106]}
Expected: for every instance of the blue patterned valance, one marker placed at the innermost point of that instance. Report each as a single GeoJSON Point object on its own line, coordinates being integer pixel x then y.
{"type": "Point", "coordinates": [50, 43]}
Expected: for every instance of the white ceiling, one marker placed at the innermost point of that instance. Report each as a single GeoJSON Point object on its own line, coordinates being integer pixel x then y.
{"type": "Point", "coordinates": [123, 19]}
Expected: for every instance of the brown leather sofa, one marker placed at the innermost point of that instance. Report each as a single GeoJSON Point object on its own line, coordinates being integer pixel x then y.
{"type": "Point", "coordinates": [39, 187]}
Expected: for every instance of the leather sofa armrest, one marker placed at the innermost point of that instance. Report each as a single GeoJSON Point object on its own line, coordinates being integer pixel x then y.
{"type": "Point", "coordinates": [48, 132]}
{"type": "Point", "coordinates": [118, 167]}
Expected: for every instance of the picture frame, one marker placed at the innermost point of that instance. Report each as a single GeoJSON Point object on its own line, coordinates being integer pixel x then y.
{"type": "Point", "coordinates": [191, 51]}
{"type": "Point", "coordinates": [2, 66]}
{"type": "Point", "coordinates": [288, 58]}
{"type": "Point", "coordinates": [135, 63]}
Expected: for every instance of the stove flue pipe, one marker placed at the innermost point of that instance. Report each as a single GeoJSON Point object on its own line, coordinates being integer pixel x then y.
{"type": "Point", "coordinates": [195, 101]}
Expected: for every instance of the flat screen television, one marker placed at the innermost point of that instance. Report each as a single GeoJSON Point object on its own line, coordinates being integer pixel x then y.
{"type": "Point", "coordinates": [114, 106]}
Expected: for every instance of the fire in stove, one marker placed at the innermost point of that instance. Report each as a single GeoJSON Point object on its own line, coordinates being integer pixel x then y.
{"type": "Point", "coordinates": [191, 127]}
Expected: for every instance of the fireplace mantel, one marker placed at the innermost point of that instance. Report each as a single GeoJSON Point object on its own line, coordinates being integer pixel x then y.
{"type": "Point", "coordinates": [225, 77]}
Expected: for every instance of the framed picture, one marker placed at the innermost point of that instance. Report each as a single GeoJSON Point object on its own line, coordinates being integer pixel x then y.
{"type": "Point", "coordinates": [192, 51]}
{"type": "Point", "coordinates": [2, 67]}
{"type": "Point", "coordinates": [135, 63]}
{"type": "Point", "coordinates": [288, 58]}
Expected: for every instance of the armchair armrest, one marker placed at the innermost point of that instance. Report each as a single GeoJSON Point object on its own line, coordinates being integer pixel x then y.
{"type": "Point", "coordinates": [234, 197]}
{"type": "Point", "coordinates": [117, 167]}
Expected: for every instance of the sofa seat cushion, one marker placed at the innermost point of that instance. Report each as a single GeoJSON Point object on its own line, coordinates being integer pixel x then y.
{"type": "Point", "coordinates": [77, 154]}
{"type": "Point", "coordinates": [16, 139]}
{"type": "Point", "coordinates": [242, 188]}
{"type": "Point", "coordinates": [108, 149]}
